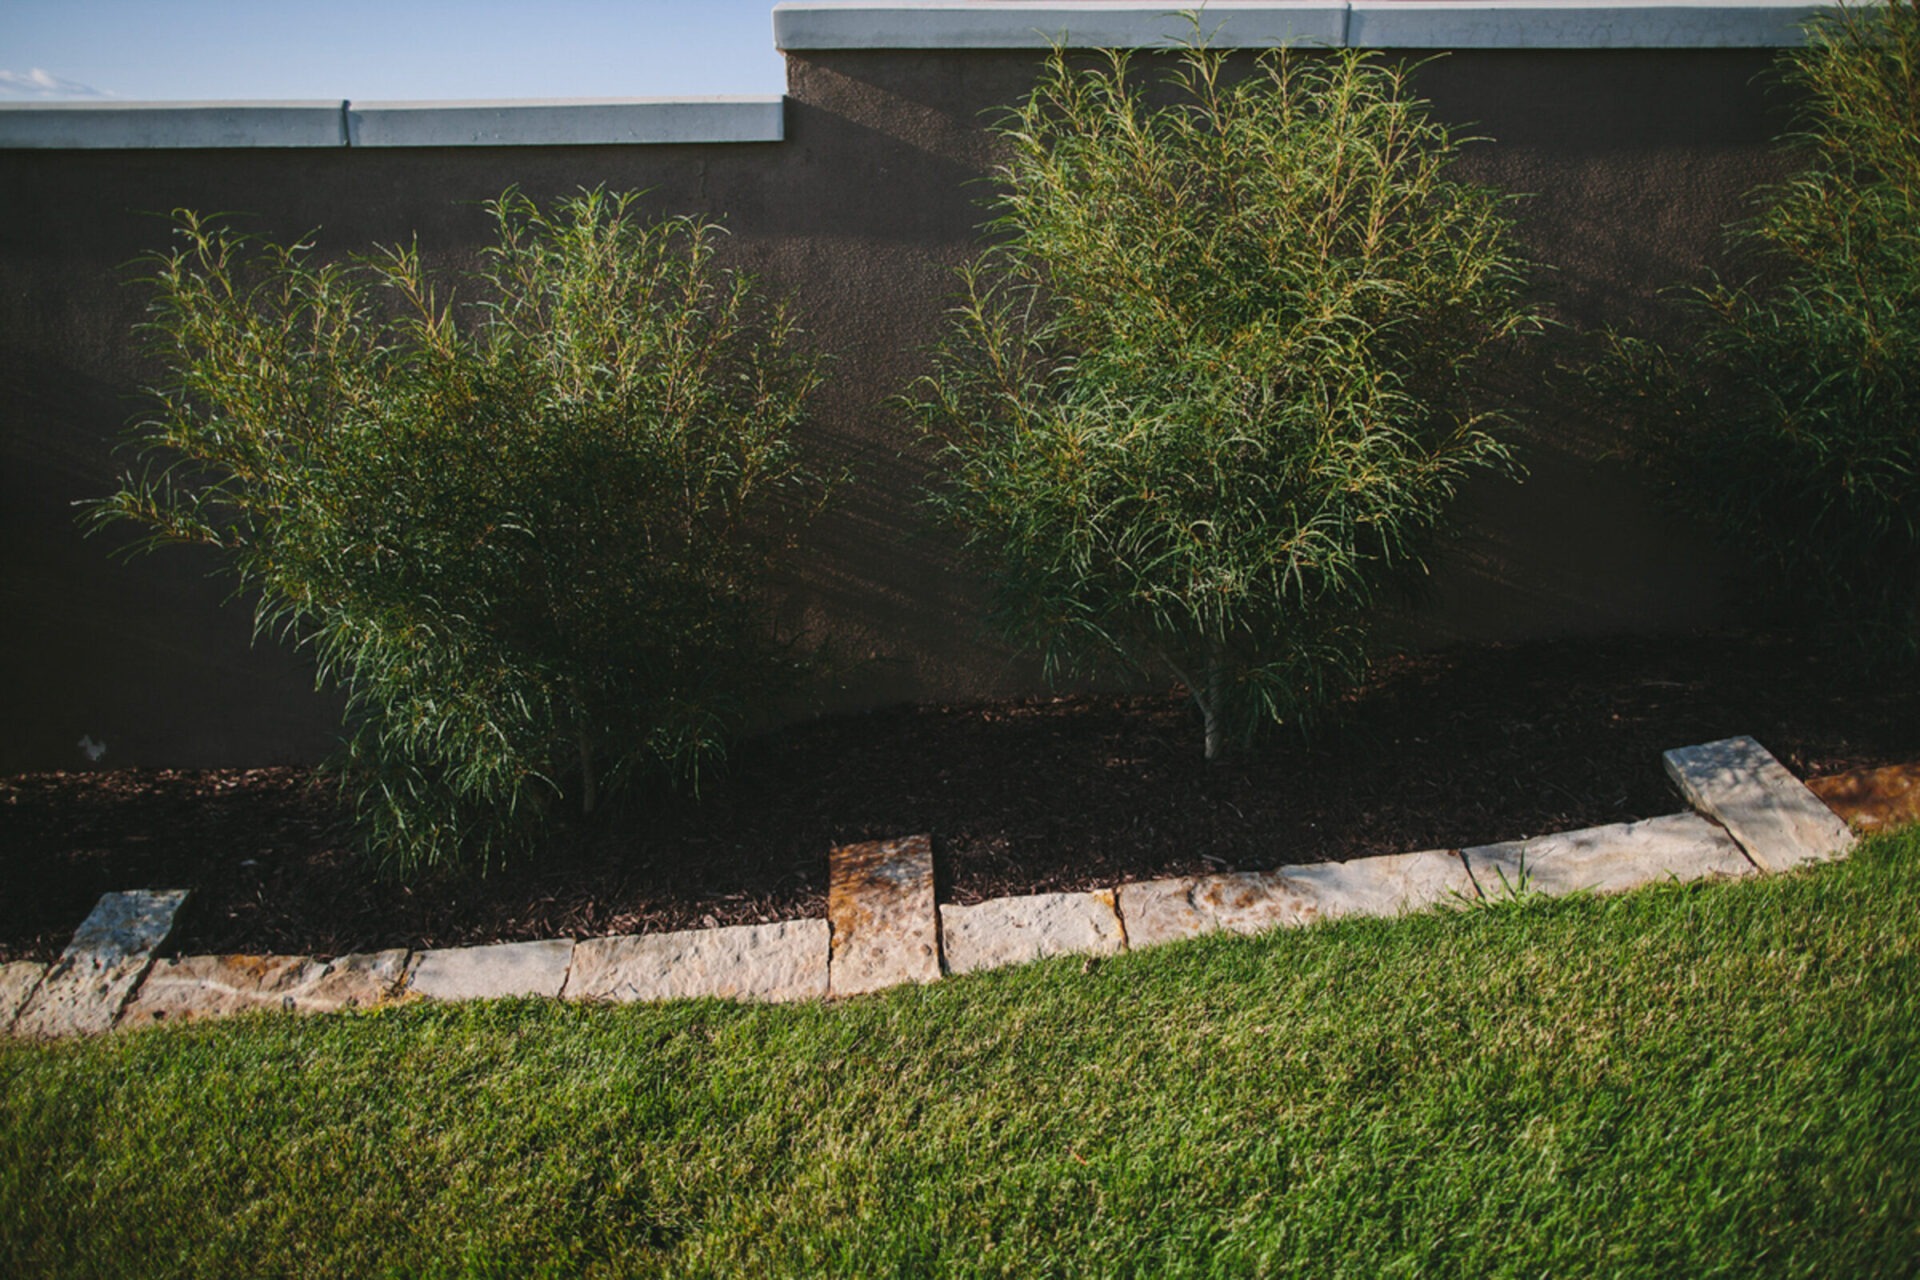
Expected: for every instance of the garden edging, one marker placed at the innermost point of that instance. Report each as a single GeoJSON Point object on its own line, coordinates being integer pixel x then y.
{"type": "Point", "coordinates": [1749, 816]}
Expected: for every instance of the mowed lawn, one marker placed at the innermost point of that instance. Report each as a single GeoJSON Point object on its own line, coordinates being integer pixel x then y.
{"type": "Point", "coordinates": [1718, 1079]}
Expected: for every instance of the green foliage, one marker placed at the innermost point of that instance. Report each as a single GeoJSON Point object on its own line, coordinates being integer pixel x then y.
{"type": "Point", "coordinates": [524, 533]}
{"type": "Point", "coordinates": [1214, 383]}
{"type": "Point", "coordinates": [1789, 414]}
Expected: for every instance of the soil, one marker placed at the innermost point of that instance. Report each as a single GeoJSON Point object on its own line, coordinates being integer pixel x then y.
{"type": "Point", "coordinates": [1435, 751]}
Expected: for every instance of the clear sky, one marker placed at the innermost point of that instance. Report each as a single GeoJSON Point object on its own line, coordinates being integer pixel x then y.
{"type": "Point", "coordinates": [374, 50]}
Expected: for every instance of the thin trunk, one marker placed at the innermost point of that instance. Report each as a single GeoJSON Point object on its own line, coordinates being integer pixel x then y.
{"type": "Point", "coordinates": [589, 790]}
{"type": "Point", "coordinates": [1210, 705]}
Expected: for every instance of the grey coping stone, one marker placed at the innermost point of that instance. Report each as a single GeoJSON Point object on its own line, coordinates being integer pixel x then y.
{"type": "Point", "coordinates": [1077, 24]}
{"type": "Point", "coordinates": [886, 928]}
{"type": "Point", "coordinates": [1009, 931]}
{"type": "Point", "coordinates": [1578, 24]}
{"type": "Point", "coordinates": [84, 990]}
{"type": "Point", "coordinates": [189, 988]}
{"type": "Point", "coordinates": [150, 125]}
{"type": "Point", "coordinates": [485, 973]}
{"type": "Point", "coordinates": [596, 122]}
{"type": "Point", "coordinates": [773, 962]}
{"type": "Point", "coordinates": [1389, 885]}
{"type": "Point", "coordinates": [18, 978]}
{"type": "Point", "coordinates": [1776, 819]}
{"type": "Point", "coordinates": [1680, 846]}
{"type": "Point", "coordinates": [1485, 24]}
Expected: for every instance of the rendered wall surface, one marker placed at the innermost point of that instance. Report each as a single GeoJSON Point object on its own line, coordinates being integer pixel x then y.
{"type": "Point", "coordinates": [1636, 159]}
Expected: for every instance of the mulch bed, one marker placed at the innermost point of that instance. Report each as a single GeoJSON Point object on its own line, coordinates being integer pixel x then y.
{"type": "Point", "coordinates": [1436, 751]}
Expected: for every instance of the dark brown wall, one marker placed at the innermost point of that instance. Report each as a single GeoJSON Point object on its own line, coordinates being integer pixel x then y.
{"type": "Point", "coordinates": [1635, 161]}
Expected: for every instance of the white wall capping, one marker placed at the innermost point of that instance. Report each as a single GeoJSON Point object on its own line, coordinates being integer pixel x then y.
{"type": "Point", "coordinates": [1381, 24]}
{"type": "Point", "coordinates": [1578, 24]}
{"type": "Point", "coordinates": [1080, 24]}
{"type": "Point", "coordinates": [565, 122]}
{"type": "Point", "coordinates": [505, 123]}
{"type": "Point", "coordinates": [161, 125]}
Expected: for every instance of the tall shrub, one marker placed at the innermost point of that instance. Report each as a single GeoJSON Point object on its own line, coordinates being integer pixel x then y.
{"type": "Point", "coordinates": [1215, 380]}
{"type": "Point", "coordinates": [1790, 411]}
{"type": "Point", "coordinates": [524, 532]}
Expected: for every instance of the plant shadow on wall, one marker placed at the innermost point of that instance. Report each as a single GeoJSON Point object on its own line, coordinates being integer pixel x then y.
{"type": "Point", "coordinates": [1789, 413]}
{"type": "Point", "coordinates": [526, 534]}
{"type": "Point", "coordinates": [1214, 385]}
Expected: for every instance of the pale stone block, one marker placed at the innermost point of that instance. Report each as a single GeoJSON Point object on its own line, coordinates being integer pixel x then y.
{"type": "Point", "coordinates": [1739, 784]}
{"type": "Point", "coordinates": [80, 996]}
{"type": "Point", "coordinates": [1157, 911]}
{"type": "Point", "coordinates": [1390, 885]}
{"type": "Point", "coordinates": [886, 928]}
{"type": "Point", "coordinates": [84, 991]}
{"type": "Point", "coordinates": [1680, 846]}
{"type": "Point", "coordinates": [774, 962]}
{"type": "Point", "coordinates": [190, 988]}
{"type": "Point", "coordinates": [17, 981]}
{"type": "Point", "coordinates": [1009, 931]}
{"type": "Point", "coordinates": [486, 973]}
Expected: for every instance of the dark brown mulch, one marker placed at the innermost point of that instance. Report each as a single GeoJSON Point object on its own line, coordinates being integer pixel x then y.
{"type": "Point", "coordinates": [1437, 751]}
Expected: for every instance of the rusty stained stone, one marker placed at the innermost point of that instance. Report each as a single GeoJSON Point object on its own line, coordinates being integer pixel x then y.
{"type": "Point", "coordinates": [189, 988]}
{"type": "Point", "coordinates": [1738, 783]}
{"type": "Point", "coordinates": [1870, 800]}
{"type": "Point", "coordinates": [886, 928]}
{"type": "Point", "coordinates": [1157, 911]}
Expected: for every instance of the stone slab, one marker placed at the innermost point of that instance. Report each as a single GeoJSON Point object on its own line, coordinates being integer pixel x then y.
{"type": "Point", "coordinates": [1625, 855]}
{"type": "Point", "coordinates": [1008, 931]}
{"type": "Point", "coordinates": [886, 928]}
{"type": "Point", "coordinates": [85, 989]}
{"type": "Point", "coordinates": [190, 988]}
{"type": "Point", "coordinates": [1739, 784]}
{"type": "Point", "coordinates": [1872, 799]}
{"type": "Point", "coordinates": [80, 996]}
{"type": "Point", "coordinates": [134, 923]}
{"type": "Point", "coordinates": [1157, 911]}
{"type": "Point", "coordinates": [771, 962]}
{"type": "Point", "coordinates": [18, 978]}
{"type": "Point", "coordinates": [1390, 885]}
{"type": "Point", "coordinates": [495, 972]}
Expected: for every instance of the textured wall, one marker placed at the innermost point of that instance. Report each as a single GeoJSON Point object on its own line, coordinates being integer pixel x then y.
{"type": "Point", "coordinates": [1635, 159]}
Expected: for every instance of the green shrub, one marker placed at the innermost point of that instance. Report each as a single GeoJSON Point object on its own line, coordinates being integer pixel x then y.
{"type": "Point", "coordinates": [1789, 412]}
{"type": "Point", "coordinates": [1215, 381]}
{"type": "Point", "coordinates": [523, 533]}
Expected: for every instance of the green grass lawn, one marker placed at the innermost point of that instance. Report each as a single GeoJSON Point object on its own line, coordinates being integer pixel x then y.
{"type": "Point", "coordinates": [1686, 1081]}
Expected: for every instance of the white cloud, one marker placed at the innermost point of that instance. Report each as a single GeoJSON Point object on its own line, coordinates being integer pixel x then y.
{"type": "Point", "coordinates": [36, 83]}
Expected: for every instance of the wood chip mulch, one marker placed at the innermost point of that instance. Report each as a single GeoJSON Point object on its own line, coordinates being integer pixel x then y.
{"type": "Point", "coordinates": [1436, 751]}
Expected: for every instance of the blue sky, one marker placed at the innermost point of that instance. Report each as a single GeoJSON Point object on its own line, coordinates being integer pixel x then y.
{"type": "Point", "coordinates": [136, 50]}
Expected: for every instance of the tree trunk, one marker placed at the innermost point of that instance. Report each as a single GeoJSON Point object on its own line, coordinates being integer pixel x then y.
{"type": "Point", "coordinates": [1210, 705]}
{"type": "Point", "coordinates": [589, 790]}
